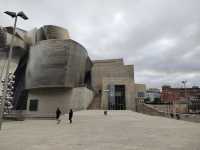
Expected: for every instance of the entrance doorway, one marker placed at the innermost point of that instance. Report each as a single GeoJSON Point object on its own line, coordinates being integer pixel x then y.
{"type": "Point", "coordinates": [117, 99]}
{"type": "Point", "coordinates": [120, 97]}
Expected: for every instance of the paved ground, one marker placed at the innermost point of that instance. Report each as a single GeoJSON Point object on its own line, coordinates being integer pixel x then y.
{"type": "Point", "coordinates": [121, 130]}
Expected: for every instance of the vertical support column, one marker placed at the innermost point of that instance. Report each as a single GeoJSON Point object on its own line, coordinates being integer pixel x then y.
{"type": "Point", "coordinates": [111, 97]}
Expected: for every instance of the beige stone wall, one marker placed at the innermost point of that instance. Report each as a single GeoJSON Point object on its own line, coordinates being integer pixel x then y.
{"type": "Point", "coordinates": [113, 71]}
{"type": "Point", "coordinates": [129, 91]}
{"type": "Point", "coordinates": [140, 87]}
{"type": "Point", "coordinates": [50, 99]}
{"type": "Point", "coordinates": [130, 69]}
{"type": "Point", "coordinates": [112, 68]}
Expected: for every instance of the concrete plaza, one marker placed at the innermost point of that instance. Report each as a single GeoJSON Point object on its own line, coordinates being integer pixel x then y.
{"type": "Point", "coordinates": [91, 130]}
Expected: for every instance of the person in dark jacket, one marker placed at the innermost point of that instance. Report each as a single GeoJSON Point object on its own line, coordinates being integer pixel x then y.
{"type": "Point", "coordinates": [70, 115]}
{"type": "Point", "coordinates": [58, 113]}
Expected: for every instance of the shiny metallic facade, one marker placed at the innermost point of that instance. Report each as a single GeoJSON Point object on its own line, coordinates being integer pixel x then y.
{"type": "Point", "coordinates": [51, 32]}
{"type": "Point", "coordinates": [55, 60]}
{"type": "Point", "coordinates": [45, 58]}
{"type": "Point", "coordinates": [19, 45]}
{"type": "Point", "coordinates": [56, 63]}
{"type": "Point", "coordinates": [2, 37]}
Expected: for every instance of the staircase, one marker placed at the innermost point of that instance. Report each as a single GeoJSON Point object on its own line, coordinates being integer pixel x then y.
{"type": "Point", "coordinates": [96, 102]}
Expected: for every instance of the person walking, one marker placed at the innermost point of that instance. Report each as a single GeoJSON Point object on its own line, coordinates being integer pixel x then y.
{"type": "Point", "coordinates": [70, 115]}
{"type": "Point", "coordinates": [58, 113]}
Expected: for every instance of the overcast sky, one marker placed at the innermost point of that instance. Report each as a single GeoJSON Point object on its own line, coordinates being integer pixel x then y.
{"type": "Point", "coordinates": [160, 37]}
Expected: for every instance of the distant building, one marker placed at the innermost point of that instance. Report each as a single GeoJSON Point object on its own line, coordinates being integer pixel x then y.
{"type": "Point", "coordinates": [188, 96]}
{"type": "Point", "coordinates": [194, 104]}
{"type": "Point", "coordinates": [152, 95]}
{"type": "Point", "coordinates": [179, 93]}
{"type": "Point", "coordinates": [114, 84]}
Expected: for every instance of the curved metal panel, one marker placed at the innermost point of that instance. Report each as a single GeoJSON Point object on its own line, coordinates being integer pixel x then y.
{"type": "Point", "coordinates": [51, 32]}
{"type": "Point", "coordinates": [56, 63]}
{"type": "Point", "coordinates": [2, 37]}
{"type": "Point", "coordinates": [19, 46]}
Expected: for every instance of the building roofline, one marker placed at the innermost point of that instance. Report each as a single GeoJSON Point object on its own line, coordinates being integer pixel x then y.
{"type": "Point", "coordinates": [108, 60]}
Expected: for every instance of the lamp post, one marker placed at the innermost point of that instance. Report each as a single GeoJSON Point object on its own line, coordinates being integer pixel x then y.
{"type": "Point", "coordinates": [13, 15]}
{"type": "Point", "coordinates": [185, 95]}
{"type": "Point", "coordinates": [184, 85]}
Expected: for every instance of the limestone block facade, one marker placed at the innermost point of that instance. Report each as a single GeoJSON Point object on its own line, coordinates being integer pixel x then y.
{"type": "Point", "coordinates": [49, 99]}
{"type": "Point", "coordinates": [129, 91]}
{"type": "Point", "coordinates": [114, 83]}
{"type": "Point", "coordinates": [111, 68]}
{"type": "Point", "coordinates": [140, 93]}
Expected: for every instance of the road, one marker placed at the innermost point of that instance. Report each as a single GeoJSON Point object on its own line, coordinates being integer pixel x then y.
{"type": "Point", "coordinates": [91, 130]}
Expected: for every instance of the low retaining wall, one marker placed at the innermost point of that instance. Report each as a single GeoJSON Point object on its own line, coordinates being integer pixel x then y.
{"type": "Point", "coordinates": [150, 110]}
{"type": "Point", "coordinates": [190, 117]}
{"type": "Point", "coordinates": [16, 115]}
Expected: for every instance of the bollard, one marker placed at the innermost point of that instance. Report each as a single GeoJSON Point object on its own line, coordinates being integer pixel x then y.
{"type": "Point", "coordinates": [177, 116]}
{"type": "Point", "coordinates": [172, 115]}
{"type": "Point", "coordinates": [105, 112]}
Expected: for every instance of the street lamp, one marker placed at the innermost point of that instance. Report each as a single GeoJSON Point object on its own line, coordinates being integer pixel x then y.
{"type": "Point", "coordinates": [185, 95]}
{"type": "Point", "coordinates": [184, 85]}
{"type": "Point", "coordinates": [13, 15]}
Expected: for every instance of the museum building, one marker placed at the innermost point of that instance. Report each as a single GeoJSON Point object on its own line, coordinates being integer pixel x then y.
{"type": "Point", "coordinates": [52, 70]}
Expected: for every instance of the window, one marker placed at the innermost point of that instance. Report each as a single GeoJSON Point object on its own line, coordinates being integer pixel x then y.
{"type": "Point", "coordinates": [140, 94]}
{"type": "Point", "coordinates": [33, 105]}
{"type": "Point", "coordinates": [118, 93]}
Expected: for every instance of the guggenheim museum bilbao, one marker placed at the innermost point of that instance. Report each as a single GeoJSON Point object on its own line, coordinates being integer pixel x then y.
{"type": "Point", "coordinates": [51, 70]}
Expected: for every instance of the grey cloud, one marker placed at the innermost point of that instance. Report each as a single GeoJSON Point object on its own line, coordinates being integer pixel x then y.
{"type": "Point", "coordinates": [156, 36]}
